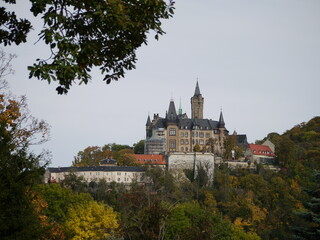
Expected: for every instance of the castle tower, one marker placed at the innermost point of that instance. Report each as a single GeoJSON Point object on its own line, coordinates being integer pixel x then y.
{"type": "Point", "coordinates": [221, 123]}
{"type": "Point", "coordinates": [148, 127]}
{"type": "Point", "coordinates": [172, 113]}
{"type": "Point", "coordinates": [197, 104]}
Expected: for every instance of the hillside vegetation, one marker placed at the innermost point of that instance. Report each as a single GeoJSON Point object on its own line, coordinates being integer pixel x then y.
{"type": "Point", "coordinates": [239, 204]}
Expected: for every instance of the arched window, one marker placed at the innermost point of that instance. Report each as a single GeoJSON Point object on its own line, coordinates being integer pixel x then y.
{"type": "Point", "coordinates": [182, 149]}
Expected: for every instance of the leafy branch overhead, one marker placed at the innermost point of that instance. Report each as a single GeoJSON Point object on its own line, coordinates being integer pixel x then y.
{"type": "Point", "coordinates": [83, 34]}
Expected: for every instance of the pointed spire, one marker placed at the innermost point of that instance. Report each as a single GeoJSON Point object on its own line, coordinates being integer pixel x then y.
{"type": "Point", "coordinates": [172, 113]}
{"type": "Point", "coordinates": [180, 108]}
{"type": "Point", "coordinates": [221, 123]}
{"type": "Point", "coordinates": [197, 90]}
{"type": "Point", "coordinates": [148, 121]}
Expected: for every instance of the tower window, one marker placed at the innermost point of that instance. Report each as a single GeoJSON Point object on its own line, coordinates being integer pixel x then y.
{"type": "Point", "coordinates": [172, 132]}
{"type": "Point", "coordinates": [172, 144]}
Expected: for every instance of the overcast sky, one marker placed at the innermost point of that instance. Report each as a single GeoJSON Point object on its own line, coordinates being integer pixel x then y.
{"type": "Point", "coordinates": [258, 60]}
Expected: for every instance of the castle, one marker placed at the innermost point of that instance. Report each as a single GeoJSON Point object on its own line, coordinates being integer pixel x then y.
{"type": "Point", "coordinates": [178, 133]}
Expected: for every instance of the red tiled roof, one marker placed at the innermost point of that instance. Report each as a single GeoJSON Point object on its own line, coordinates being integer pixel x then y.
{"type": "Point", "coordinates": [154, 159]}
{"type": "Point", "coordinates": [261, 150]}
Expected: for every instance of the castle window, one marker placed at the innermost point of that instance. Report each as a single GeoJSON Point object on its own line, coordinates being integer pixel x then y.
{"type": "Point", "coordinates": [181, 134]}
{"type": "Point", "coordinates": [197, 141]}
{"type": "Point", "coordinates": [192, 134]}
{"type": "Point", "coordinates": [186, 134]}
{"type": "Point", "coordinates": [201, 141]}
{"type": "Point", "coordinates": [172, 132]}
{"type": "Point", "coordinates": [186, 149]}
{"type": "Point", "coordinates": [186, 141]}
{"type": "Point", "coordinates": [197, 134]}
{"type": "Point", "coordinates": [181, 141]}
{"type": "Point", "coordinates": [182, 149]}
{"type": "Point", "coordinates": [172, 144]}
{"type": "Point", "coordinates": [201, 134]}
{"type": "Point", "coordinates": [207, 135]}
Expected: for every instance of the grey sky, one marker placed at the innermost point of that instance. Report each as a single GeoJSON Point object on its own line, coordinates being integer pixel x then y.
{"type": "Point", "coordinates": [258, 60]}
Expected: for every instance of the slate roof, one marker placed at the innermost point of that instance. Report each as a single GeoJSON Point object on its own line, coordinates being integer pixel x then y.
{"type": "Point", "coordinates": [172, 113]}
{"type": "Point", "coordinates": [185, 123]}
{"type": "Point", "coordinates": [197, 90]}
{"type": "Point", "coordinates": [97, 169]}
{"type": "Point", "coordinates": [242, 139]}
{"type": "Point", "coordinates": [108, 161]}
{"type": "Point", "coordinates": [148, 121]}
{"type": "Point", "coordinates": [221, 120]}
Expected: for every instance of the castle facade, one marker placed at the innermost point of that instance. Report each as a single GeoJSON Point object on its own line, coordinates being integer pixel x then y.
{"type": "Point", "coordinates": [178, 133]}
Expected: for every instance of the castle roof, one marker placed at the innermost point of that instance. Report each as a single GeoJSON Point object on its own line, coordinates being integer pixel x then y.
{"type": "Point", "coordinates": [221, 121]}
{"type": "Point", "coordinates": [148, 121]}
{"type": "Point", "coordinates": [172, 113]}
{"type": "Point", "coordinates": [242, 138]}
{"type": "Point", "coordinates": [108, 161]}
{"type": "Point", "coordinates": [187, 123]}
{"type": "Point", "coordinates": [97, 169]}
{"type": "Point", "coordinates": [197, 90]}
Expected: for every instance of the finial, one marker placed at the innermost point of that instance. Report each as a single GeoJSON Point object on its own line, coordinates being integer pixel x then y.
{"type": "Point", "coordinates": [180, 108]}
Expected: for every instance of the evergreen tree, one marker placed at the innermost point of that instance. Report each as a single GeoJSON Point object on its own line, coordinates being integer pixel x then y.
{"type": "Point", "coordinates": [310, 228]}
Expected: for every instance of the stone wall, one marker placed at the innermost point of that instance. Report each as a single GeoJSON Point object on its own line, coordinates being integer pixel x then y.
{"type": "Point", "coordinates": [180, 161]}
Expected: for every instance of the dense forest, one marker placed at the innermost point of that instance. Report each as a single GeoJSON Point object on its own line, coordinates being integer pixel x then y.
{"type": "Point", "coordinates": [237, 204]}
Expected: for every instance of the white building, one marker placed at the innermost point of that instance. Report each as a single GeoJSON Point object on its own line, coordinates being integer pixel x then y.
{"type": "Point", "coordinates": [118, 174]}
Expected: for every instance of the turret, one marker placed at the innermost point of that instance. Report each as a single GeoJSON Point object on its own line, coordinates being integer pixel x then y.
{"type": "Point", "coordinates": [197, 104]}
{"type": "Point", "coordinates": [180, 109]}
{"type": "Point", "coordinates": [171, 115]}
{"type": "Point", "coordinates": [221, 123]}
{"type": "Point", "coordinates": [148, 121]}
{"type": "Point", "coordinates": [148, 128]}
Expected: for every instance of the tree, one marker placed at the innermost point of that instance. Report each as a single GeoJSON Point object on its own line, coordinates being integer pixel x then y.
{"type": "Point", "coordinates": [90, 156]}
{"type": "Point", "coordinates": [20, 169]}
{"type": "Point", "coordinates": [85, 34]}
{"type": "Point", "coordinates": [75, 183]}
{"type": "Point", "coordinates": [125, 157]}
{"type": "Point", "coordinates": [138, 147]}
{"type": "Point", "coordinates": [5, 68]}
{"type": "Point", "coordinates": [230, 144]}
{"type": "Point", "coordinates": [309, 228]}
{"type": "Point", "coordinates": [91, 221]}
{"type": "Point", "coordinates": [59, 200]}
{"type": "Point", "coordinates": [196, 223]}
{"type": "Point", "coordinates": [197, 148]}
